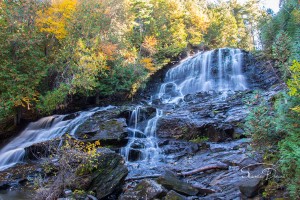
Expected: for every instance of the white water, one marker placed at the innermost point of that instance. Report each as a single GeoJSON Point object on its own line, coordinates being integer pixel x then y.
{"type": "Point", "coordinates": [218, 70]}
{"type": "Point", "coordinates": [142, 145]}
{"type": "Point", "coordinates": [42, 130]}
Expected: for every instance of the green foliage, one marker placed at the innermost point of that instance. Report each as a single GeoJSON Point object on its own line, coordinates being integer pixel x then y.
{"type": "Point", "coordinates": [288, 121]}
{"type": "Point", "coordinates": [280, 36]}
{"type": "Point", "coordinates": [275, 129]}
{"type": "Point", "coordinates": [260, 125]}
{"type": "Point", "coordinates": [23, 65]}
{"type": "Point", "coordinates": [281, 52]}
{"type": "Point", "coordinates": [54, 99]}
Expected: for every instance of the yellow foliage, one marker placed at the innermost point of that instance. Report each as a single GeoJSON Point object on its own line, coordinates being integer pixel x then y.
{"type": "Point", "coordinates": [148, 64]}
{"type": "Point", "coordinates": [54, 19]}
{"type": "Point", "coordinates": [26, 101]}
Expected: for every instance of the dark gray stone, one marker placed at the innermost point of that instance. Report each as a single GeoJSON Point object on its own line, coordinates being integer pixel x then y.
{"type": "Point", "coordinates": [172, 195]}
{"type": "Point", "coordinates": [112, 130]}
{"type": "Point", "coordinates": [110, 174]}
{"type": "Point", "coordinates": [171, 182]}
{"type": "Point", "coordinates": [145, 190]}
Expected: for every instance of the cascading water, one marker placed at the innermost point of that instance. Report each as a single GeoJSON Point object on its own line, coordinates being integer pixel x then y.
{"type": "Point", "coordinates": [218, 70]}
{"type": "Point", "coordinates": [142, 144]}
{"type": "Point", "coordinates": [42, 130]}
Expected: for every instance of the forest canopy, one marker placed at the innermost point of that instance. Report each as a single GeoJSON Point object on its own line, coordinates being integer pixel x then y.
{"type": "Point", "coordinates": [54, 50]}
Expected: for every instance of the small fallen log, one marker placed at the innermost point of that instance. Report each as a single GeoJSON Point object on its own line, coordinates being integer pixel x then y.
{"type": "Point", "coordinates": [142, 177]}
{"type": "Point", "coordinates": [195, 171]}
{"type": "Point", "coordinates": [203, 190]}
{"type": "Point", "coordinates": [202, 169]}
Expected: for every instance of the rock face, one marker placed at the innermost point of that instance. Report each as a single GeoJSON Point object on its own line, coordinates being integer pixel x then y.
{"type": "Point", "coordinates": [110, 174]}
{"type": "Point", "coordinates": [205, 115]}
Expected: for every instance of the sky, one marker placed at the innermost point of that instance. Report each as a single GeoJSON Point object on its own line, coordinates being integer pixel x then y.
{"type": "Point", "coordinates": [273, 4]}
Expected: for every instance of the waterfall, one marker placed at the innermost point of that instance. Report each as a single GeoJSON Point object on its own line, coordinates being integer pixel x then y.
{"type": "Point", "coordinates": [142, 144]}
{"type": "Point", "coordinates": [42, 130]}
{"type": "Point", "coordinates": [218, 70]}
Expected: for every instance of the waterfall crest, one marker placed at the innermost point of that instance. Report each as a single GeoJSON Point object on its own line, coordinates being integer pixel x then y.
{"type": "Point", "coordinates": [217, 70]}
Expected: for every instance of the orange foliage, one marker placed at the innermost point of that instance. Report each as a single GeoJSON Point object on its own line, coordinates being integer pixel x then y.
{"type": "Point", "coordinates": [148, 64]}
{"type": "Point", "coordinates": [109, 50]}
{"type": "Point", "coordinates": [129, 56]}
{"type": "Point", "coordinates": [149, 44]}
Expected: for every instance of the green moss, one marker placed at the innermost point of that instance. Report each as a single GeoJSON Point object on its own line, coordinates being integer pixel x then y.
{"type": "Point", "coordinates": [200, 139]}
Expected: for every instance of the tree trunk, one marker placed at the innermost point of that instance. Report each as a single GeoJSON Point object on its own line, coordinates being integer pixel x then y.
{"type": "Point", "coordinates": [205, 168]}
{"type": "Point", "coordinates": [18, 116]}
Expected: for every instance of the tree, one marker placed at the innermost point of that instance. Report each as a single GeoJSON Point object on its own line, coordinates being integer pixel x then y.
{"type": "Point", "coordinates": [53, 19]}
{"type": "Point", "coordinates": [21, 57]}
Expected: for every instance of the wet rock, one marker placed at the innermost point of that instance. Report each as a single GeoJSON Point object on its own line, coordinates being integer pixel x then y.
{"type": "Point", "coordinates": [110, 174]}
{"type": "Point", "coordinates": [137, 145]}
{"type": "Point", "coordinates": [174, 127]}
{"type": "Point", "coordinates": [70, 116]}
{"type": "Point", "coordinates": [134, 155]}
{"type": "Point", "coordinates": [68, 192]}
{"type": "Point", "coordinates": [179, 127]}
{"type": "Point", "coordinates": [4, 185]}
{"type": "Point", "coordinates": [107, 131]}
{"type": "Point", "coordinates": [91, 197]}
{"type": "Point", "coordinates": [137, 133]}
{"type": "Point", "coordinates": [250, 187]}
{"type": "Point", "coordinates": [179, 149]}
{"type": "Point", "coordinates": [171, 182]}
{"type": "Point", "coordinates": [145, 190]}
{"type": "Point", "coordinates": [238, 133]}
{"type": "Point", "coordinates": [172, 195]}
{"type": "Point", "coordinates": [253, 181]}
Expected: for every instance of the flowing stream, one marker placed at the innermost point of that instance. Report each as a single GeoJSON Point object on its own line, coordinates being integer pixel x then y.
{"type": "Point", "coordinates": [42, 130]}
{"type": "Point", "coordinates": [142, 145]}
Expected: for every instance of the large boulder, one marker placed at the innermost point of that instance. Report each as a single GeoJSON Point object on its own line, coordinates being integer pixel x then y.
{"type": "Point", "coordinates": [172, 195]}
{"type": "Point", "coordinates": [253, 180]}
{"type": "Point", "coordinates": [110, 174]}
{"type": "Point", "coordinates": [145, 190]}
{"type": "Point", "coordinates": [107, 131]}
